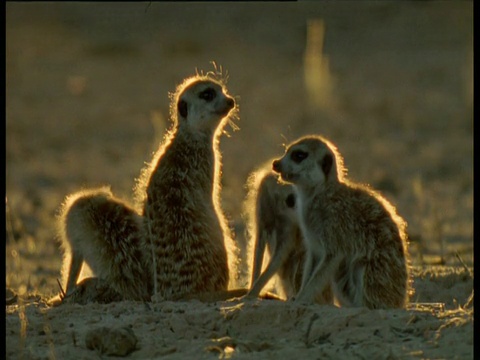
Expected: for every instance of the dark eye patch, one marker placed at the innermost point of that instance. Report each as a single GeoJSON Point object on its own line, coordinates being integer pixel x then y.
{"type": "Point", "coordinates": [298, 156]}
{"type": "Point", "coordinates": [290, 201]}
{"type": "Point", "coordinates": [182, 108]}
{"type": "Point", "coordinates": [208, 94]}
{"type": "Point", "coordinates": [327, 164]}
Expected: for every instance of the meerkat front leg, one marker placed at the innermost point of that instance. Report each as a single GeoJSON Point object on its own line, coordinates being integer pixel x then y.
{"type": "Point", "coordinates": [311, 262]}
{"type": "Point", "coordinates": [319, 278]}
{"type": "Point", "coordinates": [73, 270]}
{"type": "Point", "coordinates": [275, 227]}
{"type": "Point", "coordinates": [278, 257]}
{"type": "Point", "coordinates": [259, 254]}
{"type": "Point", "coordinates": [106, 234]}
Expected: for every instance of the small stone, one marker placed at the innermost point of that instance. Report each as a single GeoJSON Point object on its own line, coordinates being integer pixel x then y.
{"type": "Point", "coordinates": [119, 341]}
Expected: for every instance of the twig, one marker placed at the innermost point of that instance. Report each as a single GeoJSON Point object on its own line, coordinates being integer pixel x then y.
{"type": "Point", "coordinates": [63, 295]}
{"type": "Point", "coordinates": [469, 301]}
{"type": "Point", "coordinates": [148, 6]}
{"type": "Point", "coordinates": [438, 228]}
{"type": "Point", "coordinates": [457, 255]}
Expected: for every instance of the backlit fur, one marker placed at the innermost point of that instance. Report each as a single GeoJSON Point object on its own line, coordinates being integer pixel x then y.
{"type": "Point", "coordinates": [274, 234]}
{"type": "Point", "coordinates": [355, 239]}
{"type": "Point", "coordinates": [176, 240]}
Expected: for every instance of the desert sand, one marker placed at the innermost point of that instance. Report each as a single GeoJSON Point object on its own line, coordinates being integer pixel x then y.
{"type": "Point", "coordinates": [391, 83]}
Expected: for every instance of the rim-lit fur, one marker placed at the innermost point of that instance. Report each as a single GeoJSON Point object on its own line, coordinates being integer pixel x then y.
{"type": "Point", "coordinates": [354, 237]}
{"type": "Point", "coordinates": [274, 236]}
{"type": "Point", "coordinates": [175, 240]}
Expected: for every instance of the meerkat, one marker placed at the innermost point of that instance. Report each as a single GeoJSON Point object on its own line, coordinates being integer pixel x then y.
{"type": "Point", "coordinates": [354, 238]}
{"type": "Point", "coordinates": [273, 227]}
{"type": "Point", "coordinates": [176, 241]}
{"type": "Point", "coordinates": [193, 245]}
{"type": "Point", "coordinates": [107, 234]}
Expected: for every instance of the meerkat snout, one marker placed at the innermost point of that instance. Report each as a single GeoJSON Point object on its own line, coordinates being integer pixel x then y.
{"type": "Point", "coordinates": [228, 105]}
{"type": "Point", "coordinates": [276, 166]}
{"type": "Point", "coordinates": [182, 108]}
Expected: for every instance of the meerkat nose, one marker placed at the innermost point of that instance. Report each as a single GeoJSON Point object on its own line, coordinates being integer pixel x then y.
{"type": "Point", "coordinates": [276, 166]}
{"type": "Point", "coordinates": [230, 102]}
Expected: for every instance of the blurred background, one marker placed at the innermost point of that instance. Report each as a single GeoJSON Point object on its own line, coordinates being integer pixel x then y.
{"type": "Point", "coordinates": [390, 83]}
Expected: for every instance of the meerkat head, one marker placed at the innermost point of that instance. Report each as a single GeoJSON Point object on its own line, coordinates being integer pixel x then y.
{"type": "Point", "coordinates": [275, 200]}
{"type": "Point", "coordinates": [310, 161]}
{"type": "Point", "coordinates": [284, 196]}
{"type": "Point", "coordinates": [202, 103]}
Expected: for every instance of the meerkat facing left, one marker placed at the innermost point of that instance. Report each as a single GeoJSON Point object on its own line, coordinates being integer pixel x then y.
{"type": "Point", "coordinates": [273, 227]}
{"type": "Point", "coordinates": [354, 237]}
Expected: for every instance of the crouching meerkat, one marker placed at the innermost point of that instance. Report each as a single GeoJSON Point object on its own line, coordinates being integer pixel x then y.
{"type": "Point", "coordinates": [176, 242]}
{"type": "Point", "coordinates": [273, 228]}
{"type": "Point", "coordinates": [354, 238]}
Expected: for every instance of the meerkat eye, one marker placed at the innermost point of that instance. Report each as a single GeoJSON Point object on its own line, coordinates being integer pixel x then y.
{"type": "Point", "coordinates": [298, 156]}
{"type": "Point", "coordinates": [290, 201]}
{"type": "Point", "coordinates": [208, 94]}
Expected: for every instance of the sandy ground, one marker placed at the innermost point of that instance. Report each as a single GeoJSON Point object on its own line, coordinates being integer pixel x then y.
{"type": "Point", "coordinates": [391, 83]}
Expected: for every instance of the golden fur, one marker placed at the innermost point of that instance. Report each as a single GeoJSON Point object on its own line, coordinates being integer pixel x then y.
{"type": "Point", "coordinates": [355, 239]}
{"type": "Point", "coordinates": [176, 241]}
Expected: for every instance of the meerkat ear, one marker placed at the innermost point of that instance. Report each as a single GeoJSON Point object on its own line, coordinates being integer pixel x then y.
{"type": "Point", "coordinates": [326, 164]}
{"type": "Point", "coordinates": [182, 108]}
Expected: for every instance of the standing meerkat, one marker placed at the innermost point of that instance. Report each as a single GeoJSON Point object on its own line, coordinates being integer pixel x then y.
{"type": "Point", "coordinates": [354, 238]}
{"type": "Point", "coordinates": [178, 242]}
{"type": "Point", "coordinates": [190, 237]}
{"type": "Point", "coordinates": [273, 227]}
